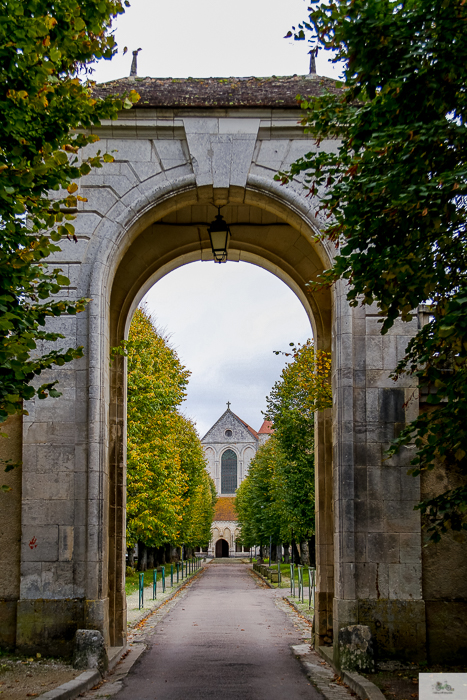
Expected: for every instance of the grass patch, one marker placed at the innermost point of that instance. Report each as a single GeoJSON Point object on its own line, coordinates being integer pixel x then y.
{"type": "Point", "coordinates": [132, 580]}
{"type": "Point", "coordinates": [285, 572]}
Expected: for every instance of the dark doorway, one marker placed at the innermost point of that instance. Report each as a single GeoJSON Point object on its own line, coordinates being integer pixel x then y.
{"type": "Point", "coordinates": [222, 549]}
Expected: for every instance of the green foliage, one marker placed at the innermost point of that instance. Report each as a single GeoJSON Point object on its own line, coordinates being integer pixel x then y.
{"type": "Point", "coordinates": [257, 499]}
{"type": "Point", "coordinates": [394, 194]}
{"type": "Point", "coordinates": [277, 497]}
{"type": "Point", "coordinates": [169, 492]}
{"type": "Point", "coordinates": [44, 46]}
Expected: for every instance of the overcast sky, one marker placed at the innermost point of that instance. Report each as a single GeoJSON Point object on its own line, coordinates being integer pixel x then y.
{"type": "Point", "coordinates": [225, 321]}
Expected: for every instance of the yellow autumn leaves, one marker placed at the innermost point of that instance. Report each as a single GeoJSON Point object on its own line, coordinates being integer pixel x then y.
{"type": "Point", "coordinates": [170, 495]}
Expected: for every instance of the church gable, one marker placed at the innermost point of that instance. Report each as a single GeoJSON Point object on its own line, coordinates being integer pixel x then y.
{"type": "Point", "coordinates": [230, 429]}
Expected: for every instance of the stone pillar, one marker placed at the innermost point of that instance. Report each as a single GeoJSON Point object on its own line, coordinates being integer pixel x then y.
{"type": "Point", "coordinates": [377, 535]}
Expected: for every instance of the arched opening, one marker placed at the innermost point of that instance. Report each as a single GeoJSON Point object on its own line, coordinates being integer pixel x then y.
{"type": "Point", "coordinates": [228, 472]}
{"type": "Point", "coordinates": [222, 549]}
{"type": "Point", "coordinates": [266, 232]}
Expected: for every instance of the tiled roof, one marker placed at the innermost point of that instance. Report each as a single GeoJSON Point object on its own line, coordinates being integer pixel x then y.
{"type": "Point", "coordinates": [252, 430]}
{"type": "Point", "coordinates": [224, 509]}
{"type": "Point", "coordinates": [266, 428]}
{"type": "Point", "coordinates": [220, 92]}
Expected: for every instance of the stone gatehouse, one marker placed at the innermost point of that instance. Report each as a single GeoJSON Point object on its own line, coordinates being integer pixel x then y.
{"type": "Point", "coordinates": [186, 148]}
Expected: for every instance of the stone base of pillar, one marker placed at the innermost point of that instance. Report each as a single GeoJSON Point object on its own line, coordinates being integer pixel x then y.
{"type": "Point", "coordinates": [323, 618]}
{"type": "Point", "coordinates": [49, 626]}
{"type": "Point", "coordinates": [398, 626]}
{"type": "Point", "coordinates": [8, 624]}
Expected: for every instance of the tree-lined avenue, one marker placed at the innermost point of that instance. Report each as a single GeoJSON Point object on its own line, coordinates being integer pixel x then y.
{"type": "Point", "coordinates": [225, 639]}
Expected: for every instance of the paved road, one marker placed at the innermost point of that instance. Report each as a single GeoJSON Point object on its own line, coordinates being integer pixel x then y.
{"type": "Point", "coordinates": [226, 640]}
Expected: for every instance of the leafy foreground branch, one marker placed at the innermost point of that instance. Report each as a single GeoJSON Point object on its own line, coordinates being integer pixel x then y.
{"type": "Point", "coordinates": [44, 47]}
{"type": "Point", "coordinates": [170, 495]}
{"type": "Point", "coordinates": [277, 498]}
{"type": "Point", "coordinates": [394, 196]}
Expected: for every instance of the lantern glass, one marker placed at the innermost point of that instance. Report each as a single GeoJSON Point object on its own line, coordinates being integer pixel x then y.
{"type": "Point", "coordinates": [219, 240]}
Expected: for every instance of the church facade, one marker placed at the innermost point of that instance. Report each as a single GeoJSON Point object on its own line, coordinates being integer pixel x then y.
{"type": "Point", "coordinates": [229, 447]}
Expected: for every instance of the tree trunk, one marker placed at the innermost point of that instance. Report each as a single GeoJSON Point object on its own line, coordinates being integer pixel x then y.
{"type": "Point", "coordinates": [286, 553]}
{"type": "Point", "coordinates": [150, 557]}
{"type": "Point", "coordinates": [168, 553]}
{"type": "Point", "coordinates": [273, 553]}
{"type": "Point", "coordinates": [312, 550]}
{"type": "Point", "coordinates": [305, 551]}
{"type": "Point", "coordinates": [296, 554]}
{"type": "Point", "coordinates": [159, 556]}
{"type": "Point", "coordinates": [131, 557]}
{"type": "Point", "coordinates": [142, 556]}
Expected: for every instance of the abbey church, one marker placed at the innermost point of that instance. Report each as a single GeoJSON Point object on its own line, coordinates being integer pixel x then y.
{"type": "Point", "coordinates": [229, 446]}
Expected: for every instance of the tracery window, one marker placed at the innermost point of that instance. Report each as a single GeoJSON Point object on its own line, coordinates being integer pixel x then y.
{"type": "Point", "coordinates": [229, 472]}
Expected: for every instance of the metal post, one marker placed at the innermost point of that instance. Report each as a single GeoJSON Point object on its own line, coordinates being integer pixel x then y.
{"type": "Point", "coordinates": [292, 579]}
{"type": "Point", "coordinates": [300, 581]}
{"type": "Point", "coordinates": [171, 575]}
{"type": "Point", "coordinates": [154, 584]}
{"type": "Point", "coordinates": [270, 549]}
{"type": "Point", "coordinates": [177, 565]}
{"type": "Point", "coordinates": [141, 592]}
{"type": "Point", "coordinates": [279, 557]}
{"type": "Point", "coordinates": [163, 579]}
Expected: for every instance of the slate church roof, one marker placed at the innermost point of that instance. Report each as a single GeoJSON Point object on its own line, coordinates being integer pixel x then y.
{"type": "Point", "coordinates": [242, 432]}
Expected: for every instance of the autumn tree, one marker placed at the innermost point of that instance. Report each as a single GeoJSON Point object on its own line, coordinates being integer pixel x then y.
{"type": "Point", "coordinates": [257, 501]}
{"type": "Point", "coordinates": [169, 492]}
{"type": "Point", "coordinates": [277, 497]}
{"type": "Point", "coordinates": [46, 52]}
{"type": "Point", "coordinates": [394, 197]}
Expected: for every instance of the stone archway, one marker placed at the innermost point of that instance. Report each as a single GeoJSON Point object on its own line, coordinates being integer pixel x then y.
{"type": "Point", "coordinates": [179, 237]}
{"type": "Point", "coordinates": [222, 549]}
{"type": "Point", "coordinates": [146, 215]}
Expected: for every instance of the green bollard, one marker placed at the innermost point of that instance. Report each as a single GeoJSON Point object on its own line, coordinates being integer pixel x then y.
{"type": "Point", "coordinates": [154, 584]}
{"type": "Point", "coordinates": [141, 592]}
{"type": "Point", "coordinates": [300, 581]}
{"type": "Point", "coordinates": [292, 580]}
{"type": "Point", "coordinates": [311, 587]}
{"type": "Point", "coordinates": [178, 569]}
{"type": "Point", "coordinates": [171, 575]}
{"type": "Point", "coordinates": [163, 578]}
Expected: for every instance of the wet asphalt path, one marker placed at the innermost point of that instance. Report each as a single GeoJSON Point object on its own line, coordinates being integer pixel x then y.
{"type": "Point", "coordinates": [225, 640]}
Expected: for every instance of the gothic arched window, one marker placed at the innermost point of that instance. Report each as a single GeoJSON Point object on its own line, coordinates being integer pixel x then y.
{"type": "Point", "coordinates": [228, 472]}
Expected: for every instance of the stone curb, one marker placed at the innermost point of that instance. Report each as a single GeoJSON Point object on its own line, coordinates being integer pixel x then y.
{"type": "Point", "coordinates": [85, 681]}
{"type": "Point", "coordinates": [365, 689]}
{"type": "Point", "coordinates": [88, 679]}
{"type": "Point", "coordinates": [262, 578]}
{"type": "Point", "coordinates": [69, 691]}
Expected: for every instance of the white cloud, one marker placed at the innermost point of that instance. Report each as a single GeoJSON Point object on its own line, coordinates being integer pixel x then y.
{"type": "Point", "coordinates": [211, 38]}
{"type": "Point", "coordinates": [225, 321]}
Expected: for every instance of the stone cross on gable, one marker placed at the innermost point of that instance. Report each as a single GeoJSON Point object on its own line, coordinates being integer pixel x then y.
{"type": "Point", "coordinates": [228, 405]}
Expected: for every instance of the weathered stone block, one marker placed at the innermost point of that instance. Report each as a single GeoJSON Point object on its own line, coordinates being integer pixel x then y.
{"type": "Point", "coordinates": [8, 624]}
{"type": "Point", "coordinates": [356, 648]}
{"type": "Point", "coordinates": [48, 626]}
{"type": "Point", "coordinates": [90, 651]}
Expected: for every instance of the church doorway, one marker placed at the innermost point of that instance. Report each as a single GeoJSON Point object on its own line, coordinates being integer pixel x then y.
{"type": "Point", "coordinates": [222, 549]}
